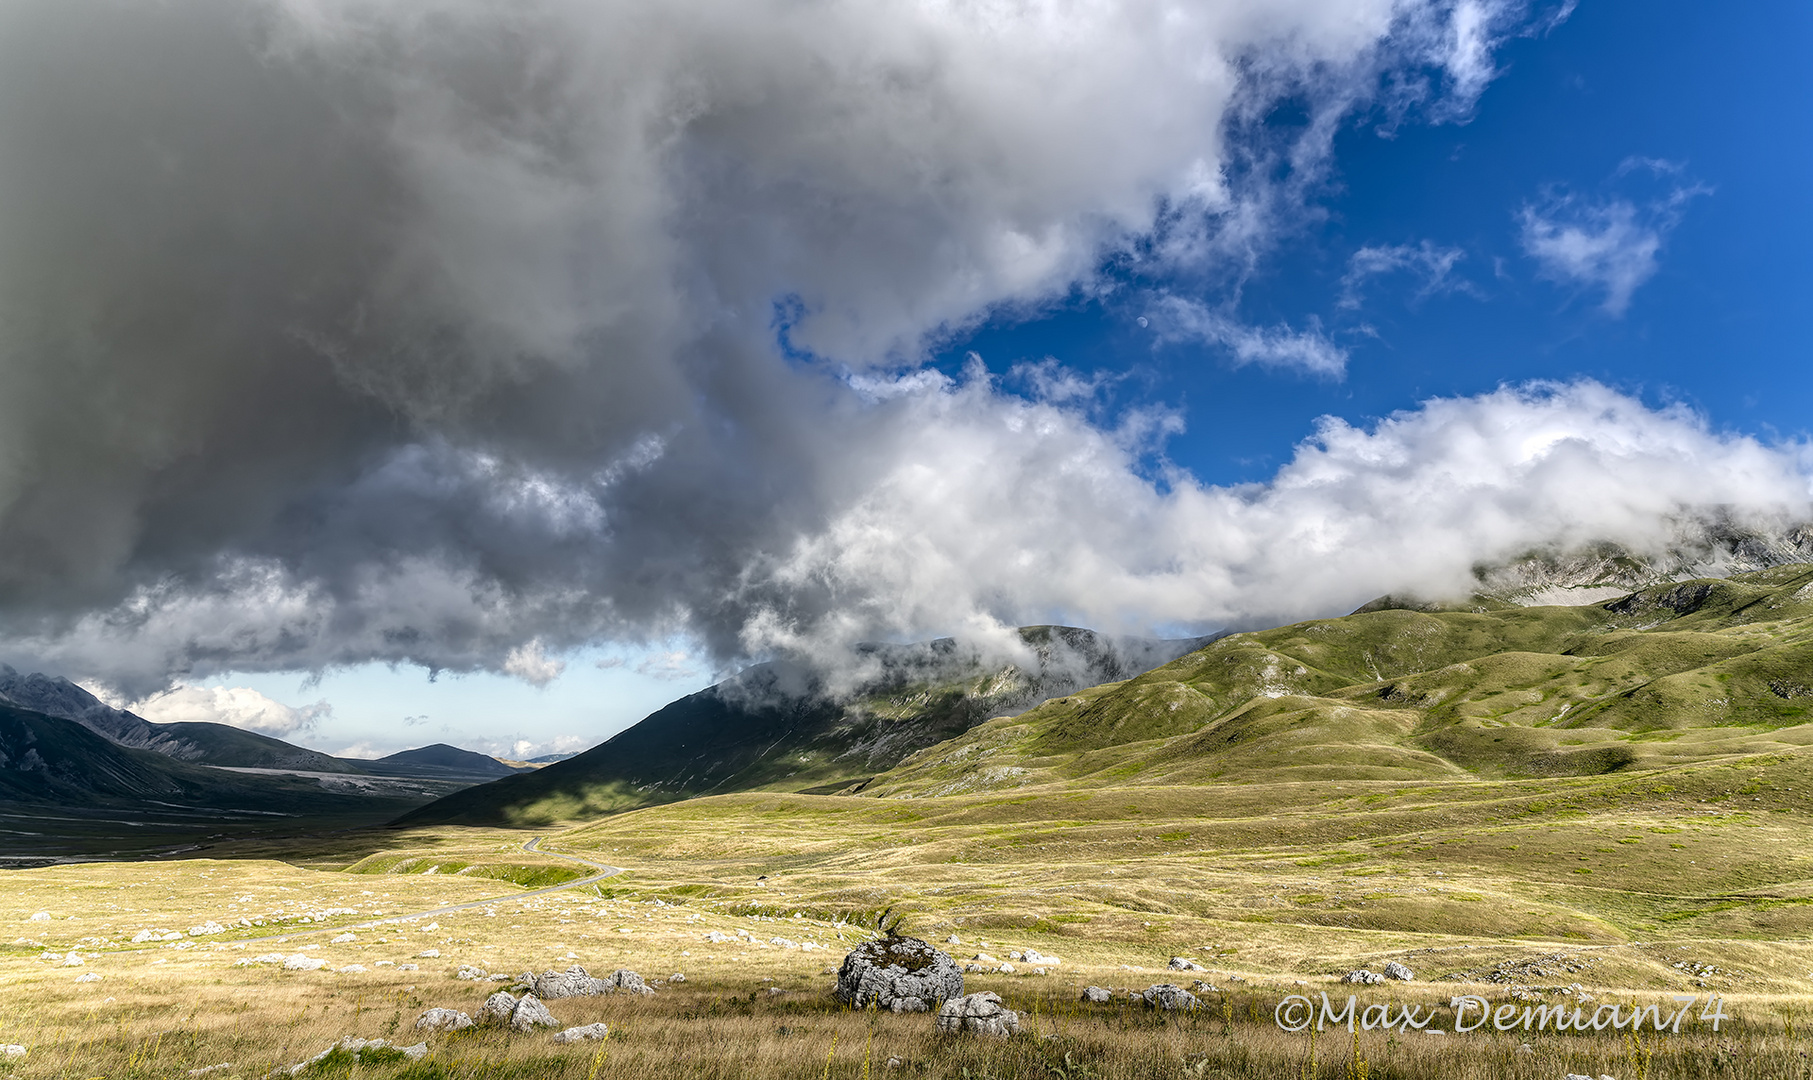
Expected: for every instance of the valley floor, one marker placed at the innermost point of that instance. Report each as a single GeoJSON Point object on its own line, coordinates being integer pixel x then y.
{"type": "Point", "coordinates": [1629, 888]}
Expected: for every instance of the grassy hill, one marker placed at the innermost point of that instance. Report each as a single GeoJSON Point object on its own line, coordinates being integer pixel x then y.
{"type": "Point", "coordinates": [1679, 672]}
{"type": "Point", "coordinates": [778, 727]}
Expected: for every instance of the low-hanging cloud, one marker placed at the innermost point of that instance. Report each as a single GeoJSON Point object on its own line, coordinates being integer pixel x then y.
{"type": "Point", "coordinates": [237, 706]}
{"type": "Point", "coordinates": [1004, 511]}
{"type": "Point", "coordinates": [448, 333]}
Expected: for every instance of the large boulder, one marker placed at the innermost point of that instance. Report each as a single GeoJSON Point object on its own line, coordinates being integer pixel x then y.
{"type": "Point", "coordinates": [1395, 970]}
{"type": "Point", "coordinates": [1169, 996]}
{"type": "Point", "coordinates": [900, 970]}
{"type": "Point", "coordinates": [978, 1014]}
{"type": "Point", "coordinates": [1362, 977]}
{"type": "Point", "coordinates": [1100, 995]}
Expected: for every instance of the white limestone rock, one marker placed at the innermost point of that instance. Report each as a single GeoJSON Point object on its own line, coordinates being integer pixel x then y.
{"type": "Point", "coordinates": [893, 968]}
{"type": "Point", "coordinates": [445, 1020]}
{"type": "Point", "coordinates": [588, 1033]}
{"type": "Point", "coordinates": [978, 1014]}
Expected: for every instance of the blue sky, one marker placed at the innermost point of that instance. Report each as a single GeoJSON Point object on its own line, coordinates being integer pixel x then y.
{"type": "Point", "coordinates": [454, 363]}
{"type": "Point", "coordinates": [1718, 92]}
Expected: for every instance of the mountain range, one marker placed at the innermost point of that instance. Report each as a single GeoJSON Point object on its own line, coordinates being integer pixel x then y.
{"type": "Point", "coordinates": [105, 774]}
{"type": "Point", "coordinates": [1585, 661]}
{"type": "Point", "coordinates": [787, 727]}
{"type": "Point", "coordinates": [1561, 662]}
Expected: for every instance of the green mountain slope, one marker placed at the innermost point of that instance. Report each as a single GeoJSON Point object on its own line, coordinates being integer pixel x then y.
{"type": "Point", "coordinates": [1679, 672]}
{"type": "Point", "coordinates": [778, 727]}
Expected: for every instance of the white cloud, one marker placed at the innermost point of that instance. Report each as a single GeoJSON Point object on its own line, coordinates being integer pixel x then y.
{"type": "Point", "coordinates": [236, 706]}
{"type": "Point", "coordinates": [1433, 264]}
{"type": "Point", "coordinates": [532, 665]}
{"type": "Point", "coordinates": [1010, 512]}
{"type": "Point", "coordinates": [1176, 319]}
{"type": "Point", "coordinates": [1612, 244]}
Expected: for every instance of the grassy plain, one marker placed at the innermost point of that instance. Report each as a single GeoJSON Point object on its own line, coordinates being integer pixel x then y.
{"type": "Point", "coordinates": [1610, 882]}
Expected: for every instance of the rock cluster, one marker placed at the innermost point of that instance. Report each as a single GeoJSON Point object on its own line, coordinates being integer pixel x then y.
{"type": "Point", "coordinates": [978, 1014]}
{"type": "Point", "coordinates": [902, 974]}
{"type": "Point", "coordinates": [1170, 997]}
{"type": "Point", "coordinates": [1362, 977]}
{"type": "Point", "coordinates": [1179, 963]}
{"type": "Point", "coordinates": [577, 982]}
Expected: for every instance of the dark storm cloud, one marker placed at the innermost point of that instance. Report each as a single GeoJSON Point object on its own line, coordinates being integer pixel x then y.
{"type": "Point", "coordinates": [445, 332]}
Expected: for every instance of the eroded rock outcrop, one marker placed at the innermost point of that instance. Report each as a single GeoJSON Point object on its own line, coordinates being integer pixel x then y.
{"type": "Point", "coordinates": [904, 974]}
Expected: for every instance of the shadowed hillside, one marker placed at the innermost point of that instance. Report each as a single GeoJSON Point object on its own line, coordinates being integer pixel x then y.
{"type": "Point", "coordinates": [778, 727]}
{"type": "Point", "coordinates": [440, 759]}
{"type": "Point", "coordinates": [65, 790]}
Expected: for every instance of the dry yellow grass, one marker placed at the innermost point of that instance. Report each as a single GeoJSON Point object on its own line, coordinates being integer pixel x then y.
{"type": "Point", "coordinates": [749, 1006]}
{"type": "Point", "coordinates": [1275, 889]}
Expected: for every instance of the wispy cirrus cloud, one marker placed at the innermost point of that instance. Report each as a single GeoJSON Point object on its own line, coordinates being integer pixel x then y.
{"type": "Point", "coordinates": [1178, 319]}
{"type": "Point", "coordinates": [1612, 243]}
{"type": "Point", "coordinates": [1432, 264]}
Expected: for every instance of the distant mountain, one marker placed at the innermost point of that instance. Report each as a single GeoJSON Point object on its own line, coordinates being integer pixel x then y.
{"type": "Point", "coordinates": [439, 759]}
{"type": "Point", "coordinates": [200, 743]}
{"type": "Point", "coordinates": [65, 778]}
{"type": "Point", "coordinates": [781, 727]}
{"type": "Point", "coordinates": [1604, 570]}
{"type": "Point", "coordinates": [549, 759]}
